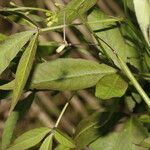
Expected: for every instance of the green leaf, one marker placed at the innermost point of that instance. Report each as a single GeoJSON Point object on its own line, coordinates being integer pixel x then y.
{"type": "Point", "coordinates": [18, 17]}
{"type": "Point", "coordinates": [8, 86]}
{"type": "Point", "coordinates": [110, 33]}
{"type": "Point", "coordinates": [145, 143]}
{"type": "Point", "coordinates": [61, 147]}
{"type": "Point", "coordinates": [46, 48]}
{"type": "Point", "coordinates": [145, 118]}
{"type": "Point", "coordinates": [74, 9]}
{"type": "Point", "coordinates": [86, 131]}
{"type": "Point", "coordinates": [142, 10]}
{"type": "Point", "coordinates": [130, 4]}
{"type": "Point", "coordinates": [136, 97]}
{"type": "Point", "coordinates": [147, 60]}
{"type": "Point", "coordinates": [94, 126]}
{"type": "Point", "coordinates": [2, 37]}
{"type": "Point", "coordinates": [68, 74]}
{"type": "Point", "coordinates": [15, 115]}
{"type": "Point", "coordinates": [8, 129]}
{"type": "Point", "coordinates": [64, 139]}
{"type": "Point", "coordinates": [29, 139]}
{"type": "Point", "coordinates": [11, 46]}
{"type": "Point", "coordinates": [130, 103]}
{"type": "Point", "coordinates": [47, 143]}
{"type": "Point", "coordinates": [111, 86]}
{"type": "Point", "coordinates": [23, 70]}
{"type": "Point", "coordinates": [127, 139]}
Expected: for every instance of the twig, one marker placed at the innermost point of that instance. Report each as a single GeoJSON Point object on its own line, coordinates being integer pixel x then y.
{"type": "Point", "coordinates": [63, 111]}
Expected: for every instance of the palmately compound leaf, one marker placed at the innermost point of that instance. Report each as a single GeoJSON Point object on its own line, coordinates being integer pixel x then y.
{"type": "Point", "coordinates": [142, 10]}
{"type": "Point", "coordinates": [20, 110]}
{"type": "Point", "coordinates": [29, 139]}
{"type": "Point", "coordinates": [11, 46]}
{"type": "Point", "coordinates": [64, 139]}
{"type": "Point", "coordinates": [111, 86]}
{"type": "Point", "coordinates": [23, 70]}
{"type": "Point", "coordinates": [68, 74]}
{"type": "Point", "coordinates": [127, 139]}
{"type": "Point", "coordinates": [47, 143]}
{"type": "Point", "coordinates": [110, 33]}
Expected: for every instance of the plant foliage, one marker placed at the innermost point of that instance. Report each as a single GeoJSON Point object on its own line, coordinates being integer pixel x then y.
{"type": "Point", "coordinates": [120, 76]}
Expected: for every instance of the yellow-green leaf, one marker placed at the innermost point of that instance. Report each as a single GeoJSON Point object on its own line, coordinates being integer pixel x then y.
{"type": "Point", "coordinates": [110, 33]}
{"type": "Point", "coordinates": [47, 143]}
{"type": "Point", "coordinates": [145, 143]}
{"type": "Point", "coordinates": [23, 70]}
{"type": "Point", "coordinates": [68, 74]}
{"type": "Point", "coordinates": [61, 147]}
{"type": "Point", "coordinates": [11, 46]}
{"type": "Point", "coordinates": [74, 9]}
{"type": "Point", "coordinates": [29, 139]}
{"type": "Point", "coordinates": [20, 110]}
{"type": "Point", "coordinates": [142, 10]}
{"type": "Point", "coordinates": [111, 86]}
{"type": "Point", "coordinates": [127, 139]}
{"type": "Point", "coordinates": [64, 139]}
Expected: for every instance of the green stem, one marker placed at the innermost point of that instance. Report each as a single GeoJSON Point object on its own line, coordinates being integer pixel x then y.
{"type": "Point", "coordinates": [134, 81]}
{"type": "Point", "coordinates": [130, 75]}
{"type": "Point", "coordinates": [76, 24]}
{"type": "Point", "coordinates": [24, 8]}
{"type": "Point", "coordinates": [62, 112]}
{"type": "Point", "coordinates": [43, 30]}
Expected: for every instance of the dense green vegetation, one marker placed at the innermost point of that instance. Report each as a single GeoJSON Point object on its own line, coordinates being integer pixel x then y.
{"type": "Point", "coordinates": [119, 76]}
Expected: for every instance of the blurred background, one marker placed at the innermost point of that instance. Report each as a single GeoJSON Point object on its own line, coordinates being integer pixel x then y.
{"type": "Point", "coordinates": [48, 105]}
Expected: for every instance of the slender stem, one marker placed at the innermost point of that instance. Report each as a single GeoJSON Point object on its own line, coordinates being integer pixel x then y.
{"type": "Point", "coordinates": [75, 24]}
{"type": "Point", "coordinates": [24, 8]}
{"type": "Point", "coordinates": [64, 29]}
{"type": "Point", "coordinates": [130, 76]}
{"type": "Point", "coordinates": [63, 111]}
{"type": "Point", "coordinates": [134, 81]}
{"type": "Point", "coordinates": [61, 114]}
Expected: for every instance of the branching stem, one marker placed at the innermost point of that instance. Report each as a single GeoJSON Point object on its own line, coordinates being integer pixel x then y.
{"type": "Point", "coordinates": [130, 76]}
{"type": "Point", "coordinates": [47, 29]}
